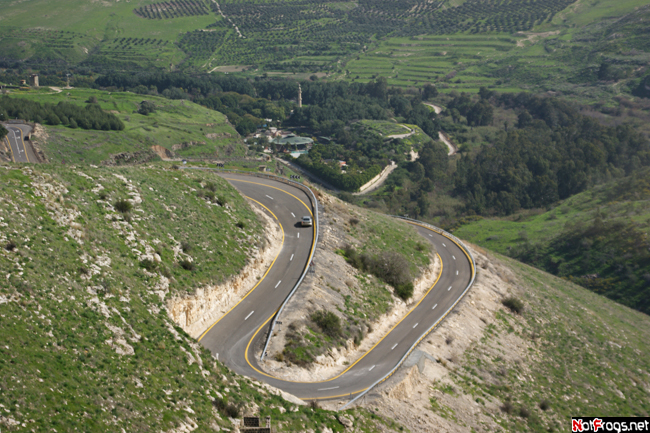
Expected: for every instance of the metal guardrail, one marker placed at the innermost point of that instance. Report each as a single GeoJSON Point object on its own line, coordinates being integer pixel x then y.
{"type": "Point", "coordinates": [314, 203]}
{"type": "Point", "coordinates": [408, 352]}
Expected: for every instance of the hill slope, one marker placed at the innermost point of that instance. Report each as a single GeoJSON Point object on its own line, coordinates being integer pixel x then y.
{"type": "Point", "coordinates": [175, 128]}
{"type": "Point", "coordinates": [597, 239]}
{"type": "Point", "coordinates": [87, 342]}
{"type": "Point", "coordinates": [489, 369]}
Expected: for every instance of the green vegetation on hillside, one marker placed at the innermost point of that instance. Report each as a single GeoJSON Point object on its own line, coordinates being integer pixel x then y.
{"type": "Point", "coordinates": [85, 281]}
{"type": "Point", "coordinates": [89, 257]}
{"type": "Point", "coordinates": [584, 353]}
{"type": "Point", "coordinates": [597, 239]}
{"type": "Point", "coordinates": [180, 127]}
{"type": "Point", "coordinates": [373, 237]}
{"type": "Point", "coordinates": [64, 113]}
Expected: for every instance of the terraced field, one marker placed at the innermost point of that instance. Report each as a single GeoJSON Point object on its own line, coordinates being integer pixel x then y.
{"type": "Point", "coordinates": [541, 45]}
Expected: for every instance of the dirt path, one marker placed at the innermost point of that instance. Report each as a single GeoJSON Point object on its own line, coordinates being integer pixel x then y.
{"type": "Point", "coordinates": [452, 148]}
{"type": "Point", "coordinates": [411, 132]}
{"type": "Point", "coordinates": [441, 135]}
{"type": "Point", "coordinates": [373, 185]}
{"type": "Point", "coordinates": [436, 108]}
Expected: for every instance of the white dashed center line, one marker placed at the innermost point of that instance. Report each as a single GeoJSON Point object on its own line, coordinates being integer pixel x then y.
{"type": "Point", "coordinates": [249, 315]}
{"type": "Point", "coordinates": [416, 325]}
{"type": "Point", "coordinates": [431, 235]}
{"type": "Point", "coordinates": [394, 346]}
{"type": "Point", "coordinates": [327, 389]}
{"type": "Point", "coordinates": [370, 369]}
{"type": "Point", "coordinates": [449, 288]}
{"type": "Point", "coordinates": [293, 215]}
{"type": "Point", "coordinates": [276, 286]}
{"type": "Point", "coordinates": [269, 197]}
{"type": "Point", "coordinates": [292, 259]}
{"type": "Point", "coordinates": [456, 272]}
{"type": "Point", "coordinates": [434, 307]}
{"type": "Point", "coordinates": [298, 234]}
{"type": "Point", "coordinates": [444, 245]}
{"type": "Point", "coordinates": [454, 257]}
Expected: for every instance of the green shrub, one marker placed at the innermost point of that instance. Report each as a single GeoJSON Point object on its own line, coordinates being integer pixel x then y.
{"type": "Point", "coordinates": [123, 206]}
{"type": "Point", "coordinates": [544, 405]}
{"type": "Point", "coordinates": [328, 322]}
{"type": "Point", "coordinates": [514, 304]}
{"type": "Point", "coordinates": [186, 246]}
{"type": "Point", "coordinates": [241, 225]}
{"type": "Point", "coordinates": [103, 195]}
{"type": "Point", "coordinates": [222, 200]}
{"type": "Point", "coordinates": [148, 264]}
{"type": "Point", "coordinates": [404, 291]}
{"type": "Point", "coordinates": [232, 411]}
{"type": "Point", "coordinates": [10, 246]}
{"type": "Point", "coordinates": [524, 412]}
{"type": "Point", "coordinates": [186, 264]}
{"type": "Point", "coordinates": [508, 407]}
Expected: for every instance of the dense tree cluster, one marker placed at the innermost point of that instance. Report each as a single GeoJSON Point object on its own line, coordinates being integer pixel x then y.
{"type": "Point", "coordinates": [204, 84]}
{"type": "Point", "coordinates": [64, 113]}
{"type": "Point", "coordinates": [555, 152]}
{"type": "Point", "coordinates": [244, 112]}
{"type": "Point", "coordinates": [332, 175]}
{"type": "Point", "coordinates": [478, 113]}
{"type": "Point", "coordinates": [643, 89]}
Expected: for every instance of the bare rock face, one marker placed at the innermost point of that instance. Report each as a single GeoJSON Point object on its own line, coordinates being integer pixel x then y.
{"type": "Point", "coordinates": [346, 420]}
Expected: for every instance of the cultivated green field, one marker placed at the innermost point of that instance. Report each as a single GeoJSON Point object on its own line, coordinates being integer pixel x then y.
{"type": "Point", "coordinates": [186, 129]}
{"type": "Point", "coordinates": [542, 45]}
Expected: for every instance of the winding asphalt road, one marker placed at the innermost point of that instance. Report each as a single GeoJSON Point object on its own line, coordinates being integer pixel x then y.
{"type": "Point", "coordinates": [21, 152]}
{"type": "Point", "coordinates": [238, 336]}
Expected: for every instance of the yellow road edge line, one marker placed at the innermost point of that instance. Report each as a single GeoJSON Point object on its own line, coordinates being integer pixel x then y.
{"type": "Point", "coordinates": [269, 186]}
{"type": "Point", "coordinates": [471, 262]}
{"type": "Point", "coordinates": [364, 355]}
{"type": "Point", "coordinates": [10, 149]}
{"type": "Point", "coordinates": [261, 279]}
{"type": "Point", "coordinates": [432, 328]}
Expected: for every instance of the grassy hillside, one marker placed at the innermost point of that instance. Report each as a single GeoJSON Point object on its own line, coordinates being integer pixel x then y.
{"type": "Point", "coordinates": [186, 129]}
{"type": "Point", "coordinates": [86, 341]}
{"type": "Point", "coordinates": [569, 351]}
{"type": "Point", "coordinates": [597, 239]}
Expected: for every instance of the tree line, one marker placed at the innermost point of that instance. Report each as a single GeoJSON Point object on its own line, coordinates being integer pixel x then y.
{"type": "Point", "coordinates": [64, 113]}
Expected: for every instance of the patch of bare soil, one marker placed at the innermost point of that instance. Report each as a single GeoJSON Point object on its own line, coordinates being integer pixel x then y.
{"type": "Point", "coordinates": [162, 152]}
{"type": "Point", "coordinates": [534, 37]}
